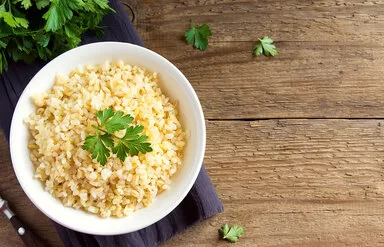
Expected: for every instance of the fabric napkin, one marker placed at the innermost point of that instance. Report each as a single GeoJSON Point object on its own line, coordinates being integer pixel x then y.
{"type": "Point", "coordinates": [200, 203]}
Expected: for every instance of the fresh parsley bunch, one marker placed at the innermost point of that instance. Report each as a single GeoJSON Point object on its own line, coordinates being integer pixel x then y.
{"type": "Point", "coordinates": [104, 141]}
{"type": "Point", "coordinates": [46, 28]}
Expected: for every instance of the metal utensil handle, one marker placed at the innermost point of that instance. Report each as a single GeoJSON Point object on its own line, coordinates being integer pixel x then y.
{"type": "Point", "coordinates": [29, 239]}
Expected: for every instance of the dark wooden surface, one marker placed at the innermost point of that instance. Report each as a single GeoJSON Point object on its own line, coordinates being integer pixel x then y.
{"type": "Point", "coordinates": [295, 143]}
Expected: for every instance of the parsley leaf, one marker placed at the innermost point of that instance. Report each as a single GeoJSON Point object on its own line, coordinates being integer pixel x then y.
{"type": "Point", "coordinates": [113, 121]}
{"type": "Point", "coordinates": [42, 39]}
{"type": "Point", "coordinates": [42, 3]}
{"type": "Point", "coordinates": [102, 4]}
{"type": "Point", "coordinates": [265, 46]}
{"type": "Point", "coordinates": [131, 143]}
{"type": "Point", "coordinates": [107, 140]}
{"type": "Point", "coordinates": [231, 234]}
{"type": "Point", "coordinates": [98, 147]}
{"type": "Point", "coordinates": [198, 36]}
{"type": "Point", "coordinates": [58, 14]}
{"type": "Point", "coordinates": [13, 21]}
{"type": "Point", "coordinates": [119, 121]}
{"type": "Point", "coordinates": [103, 116]}
{"type": "Point", "coordinates": [26, 4]}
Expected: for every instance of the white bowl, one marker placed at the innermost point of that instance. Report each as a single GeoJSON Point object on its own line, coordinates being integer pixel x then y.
{"type": "Point", "coordinates": [172, 82]}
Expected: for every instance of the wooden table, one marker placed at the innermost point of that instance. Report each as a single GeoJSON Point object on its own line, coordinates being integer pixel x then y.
{"type": "Point", "coordinates": [295, 143]}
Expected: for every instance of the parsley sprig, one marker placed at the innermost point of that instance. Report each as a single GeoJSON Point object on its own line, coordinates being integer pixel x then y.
{"type": "Point", "coordinates": [198, 36]}
{"type": "Point", "coordinates": [265, 46]}
{"type": "Point", "coordinates": [231, 234]}
{"type": "Point", "coordinates": [105, 141]}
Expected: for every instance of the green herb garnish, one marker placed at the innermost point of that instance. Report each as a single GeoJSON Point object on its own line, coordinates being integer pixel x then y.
{"type": "Point", "coordinates": [265, 46]}
{"type": "Point", "coordinates": [231, 234]}
{"type": "Point", "coordinates": [103, 142]}
{"type": "Point", "coordinates": [46, 28]}
{"type": "Point", "coordinates": [198, 36]}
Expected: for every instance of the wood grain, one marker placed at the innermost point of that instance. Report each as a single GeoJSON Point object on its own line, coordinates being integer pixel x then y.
{"type": "Point", "coordinates": [295, 183]}
{"type": "Point", "coordinates": [309, 170]}
{"type": "Point", "coordinates": [330, 62]}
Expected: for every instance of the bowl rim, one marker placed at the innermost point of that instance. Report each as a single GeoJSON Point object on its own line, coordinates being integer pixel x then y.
{"type": "Point", "coordinates": [173, 204]}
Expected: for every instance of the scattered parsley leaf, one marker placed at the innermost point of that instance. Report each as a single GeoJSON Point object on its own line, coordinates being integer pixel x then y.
{"type": "Point", "coordinates": [265, 46]}
{"type": "Point", "coordinates": [224, 230]}
{"type": "Point", "coordinates": [231, 234]}
{"type": "Point", "coordinates": [198, 36]}
{"type": "Point", "coordinates": [103, 142]}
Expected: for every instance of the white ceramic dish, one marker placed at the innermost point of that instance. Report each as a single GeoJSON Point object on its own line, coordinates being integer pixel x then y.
{"type": "Point", "coordinates": [172, 82]}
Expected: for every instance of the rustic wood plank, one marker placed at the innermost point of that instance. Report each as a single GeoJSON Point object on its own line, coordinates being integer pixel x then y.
{"type": "Point", "coordinates": [296, 183]}
{"type": "Point", "coordinates": [289, 182]}
{"type": "Point", "coordinates": [297, 159]}
{"type": "Point", "coordinates": [290, 20]}
{"type": "Point", "coordinates": [330, 63]}
{"type": "Point", "coordinates": [287, 223]}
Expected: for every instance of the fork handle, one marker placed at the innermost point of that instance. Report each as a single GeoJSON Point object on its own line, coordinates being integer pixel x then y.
{"type": "Point", "coordinates": [28, 237]}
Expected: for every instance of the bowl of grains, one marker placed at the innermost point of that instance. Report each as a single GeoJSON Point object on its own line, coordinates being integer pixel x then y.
{"type": "Point", "coordinates": [107, 138]}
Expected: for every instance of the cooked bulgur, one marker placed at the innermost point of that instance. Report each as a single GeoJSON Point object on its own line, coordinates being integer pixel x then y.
{"type": "Point", "coordinates": [64, 117]}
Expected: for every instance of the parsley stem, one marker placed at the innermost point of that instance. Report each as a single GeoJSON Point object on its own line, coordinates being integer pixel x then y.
{"type": "Point", "coordinates": [106, 132]}
{"type": "Point", "coordinates": [98, 128]}
{"type": "Point", "coordinates": [9, 6]}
